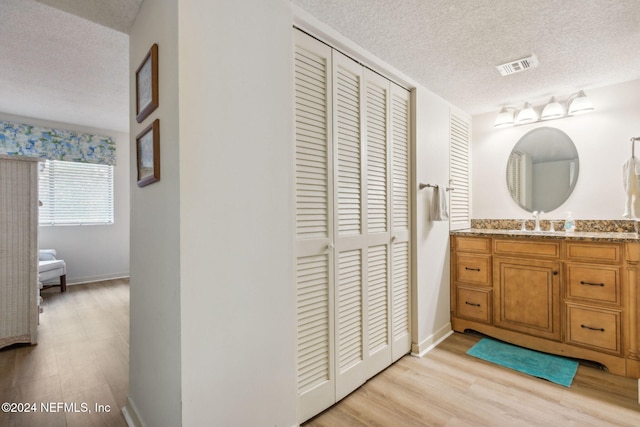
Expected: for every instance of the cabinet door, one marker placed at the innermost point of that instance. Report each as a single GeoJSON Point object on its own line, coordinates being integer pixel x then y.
{"type": "Point", "coordinates": [527, 296]}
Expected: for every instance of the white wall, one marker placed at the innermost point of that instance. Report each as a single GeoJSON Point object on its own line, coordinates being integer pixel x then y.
{"type": "Point", "coordinates": [92, 252]}
{"type": "Point", "coordinates": [212, 294]}
{"type": "Point", "coordinates": [154, 351]}
{"type": "Point", "coordinates": [236, 199]}
{"type": "Point", "coordinates": [601, 138]}
{"type": "Point", "coordinates": [431, 307]}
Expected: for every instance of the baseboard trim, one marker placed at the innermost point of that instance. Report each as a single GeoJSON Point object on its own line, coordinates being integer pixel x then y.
{"type": "Point", "coordinates": [428, 344]}
{"type": "Point", "coordinates": [94, 279]}
{"type": "Point", "coordinates": [130, 414]}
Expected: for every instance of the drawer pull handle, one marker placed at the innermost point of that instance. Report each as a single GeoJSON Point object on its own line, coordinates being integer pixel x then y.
{"type": "Point", "coordinates": [582, 282]}
{"type": "Point", "coordinates": [470, 303]}
{"type": "Point", "coordinates": [593, 329]}
{"type": "Point", "coordinates": [472, 269]}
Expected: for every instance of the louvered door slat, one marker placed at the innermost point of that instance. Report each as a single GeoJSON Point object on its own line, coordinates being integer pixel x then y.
{"type": "Point", "coordinates": [349, 273]}
{"type": "Point", "coordinates": [400, 289]}
{"type": "Point", "coordinates": [459, 175]}
{"type": "Point", "coordinates": [400, 111]}
{"type": "Point", "coordinates": [378, 281]}
{"type": "Point", "coordinates": [376, 131]}
{"type": "Point", "coordinates": [312, 192]}
{"type": "Point", "coordinates": [348, 150]}
{"type": "Point", "coordinates": [313, 321]}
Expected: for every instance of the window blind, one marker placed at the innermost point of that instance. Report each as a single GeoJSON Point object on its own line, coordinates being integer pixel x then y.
{"type": "Point", "coordinates": [74, 193]}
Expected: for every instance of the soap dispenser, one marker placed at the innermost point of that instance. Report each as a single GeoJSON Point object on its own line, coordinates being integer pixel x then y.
{"type": "Point", "coordinates": [569, 224]}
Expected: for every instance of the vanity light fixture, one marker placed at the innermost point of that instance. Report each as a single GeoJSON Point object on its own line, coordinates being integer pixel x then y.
{"type": "Point", "coordinates": [577, 103]}
{"type": "Point", "coordinates": [505, 117]}
{"type": "Point", "coordinates": [553, 110]}
{"type": "Point", "coordinates": [526, 115]}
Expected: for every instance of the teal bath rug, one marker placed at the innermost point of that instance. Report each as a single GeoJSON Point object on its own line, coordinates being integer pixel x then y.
{"type": "Point", "coordinates": [542, 365]}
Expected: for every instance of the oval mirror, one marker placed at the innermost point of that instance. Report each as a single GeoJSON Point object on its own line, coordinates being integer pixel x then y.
{"type": "Point", "coordinates": [542, 169]}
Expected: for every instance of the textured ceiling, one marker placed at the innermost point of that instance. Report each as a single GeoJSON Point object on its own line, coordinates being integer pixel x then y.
{"type": "Point", "coordinates": [116, 14]}
{"type": "Point", "coordinates": [452, 46]}
{"type": "Point", "coordinates": [68, 60]}
{"type": "Point", "coordinates": [60, 67]}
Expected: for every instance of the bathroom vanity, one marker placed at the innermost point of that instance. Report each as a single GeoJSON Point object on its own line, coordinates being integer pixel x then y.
{"type": "Point", "coordinates": [574, 295]}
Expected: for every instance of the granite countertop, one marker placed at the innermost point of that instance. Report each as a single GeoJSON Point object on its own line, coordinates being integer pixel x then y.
{"type": "Point", "coordinates": [600, 236]}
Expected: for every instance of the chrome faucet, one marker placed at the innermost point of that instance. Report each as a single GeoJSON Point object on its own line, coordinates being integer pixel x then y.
{"type": "Point", "coordinates": [536, 215]}
{"type": "Point", "coordinates": [524, 225]}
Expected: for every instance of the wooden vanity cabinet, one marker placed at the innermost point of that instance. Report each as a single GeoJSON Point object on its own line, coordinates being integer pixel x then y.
{"type": "Point", "coordinates": [593, 296]}
{"type": "Point", "coordinates": [527, 296]}
{"type": "Point", "coordinates": [575, 298]}
{"type": "Point", "coordinates": [527, 286]}
{"type": "Point", "coordinates": [472, 279]}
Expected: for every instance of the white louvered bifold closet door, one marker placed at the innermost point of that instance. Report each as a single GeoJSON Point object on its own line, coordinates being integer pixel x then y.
{"type": "Point", "coordinates": [378, 237]}
{"type": "Point", "coordinates": [362, 241]}
{"type": "Point", "coordinates": [400, 222]}
{"type": "Point", "coordinates": [352, 190]}
{"type": "Point", "coordinates": [460, 171]}
{"type": "Point", "coordinates": [349, 183]}
{"type": "Point", "coordinates": [314, 226]}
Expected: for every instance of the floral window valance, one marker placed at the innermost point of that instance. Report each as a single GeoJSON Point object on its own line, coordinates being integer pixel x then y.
{"type": "Point", "coordinates": [54, 144]}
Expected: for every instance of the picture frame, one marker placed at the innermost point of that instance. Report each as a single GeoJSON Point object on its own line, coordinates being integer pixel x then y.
{"type": "Point", "coordinates": [147, 85]}
{"type": "Point", "coordinates": [148, 154]}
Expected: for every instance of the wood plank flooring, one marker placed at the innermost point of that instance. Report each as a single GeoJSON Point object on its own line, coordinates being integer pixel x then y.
{"type": "Point", "coordinates": [449, 388]}
{"type": "Point", "coordinates": [82, 356]}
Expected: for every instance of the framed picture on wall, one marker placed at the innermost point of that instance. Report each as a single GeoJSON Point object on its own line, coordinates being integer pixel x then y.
{"type": "Point", "coordinates": [148, 154]}
{"type": "Point", "coordinates": [147, 85]}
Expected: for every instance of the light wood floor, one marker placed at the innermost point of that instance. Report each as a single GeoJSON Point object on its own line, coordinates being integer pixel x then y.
{"type": "Point", "coordinates": [449, 388]}
{"type": "Point", "coordinates": [82, 356]}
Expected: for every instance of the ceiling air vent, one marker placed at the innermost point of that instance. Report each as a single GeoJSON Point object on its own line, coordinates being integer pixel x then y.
{"type": "Point", "coordinates": [518, 65]}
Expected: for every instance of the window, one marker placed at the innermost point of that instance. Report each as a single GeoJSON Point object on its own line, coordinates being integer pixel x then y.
{"type": "Point", "coordinates": [74, 193]}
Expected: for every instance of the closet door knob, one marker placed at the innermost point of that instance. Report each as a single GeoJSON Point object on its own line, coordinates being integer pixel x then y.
{"type": "Point", "coordinates": [330, 246]}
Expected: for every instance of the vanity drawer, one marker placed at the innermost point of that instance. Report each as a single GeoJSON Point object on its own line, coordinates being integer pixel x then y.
{"type": "Point", "coordinates": [472, 244]}
{"type": "Point", "coordinates": [594, 252]}
{"type": "Point", "coordinates": [594, 283]}
{"type": "Point", "coordinates": [473, 303]}
{"type": "Point", "coordinates": [475, 269]}
{"type": "Point", "coordinates": [597, 329]}
{"type": "Point", "coordinates": [525, 247]}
